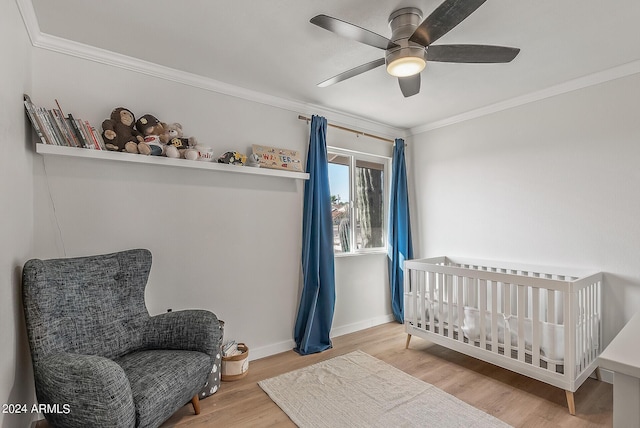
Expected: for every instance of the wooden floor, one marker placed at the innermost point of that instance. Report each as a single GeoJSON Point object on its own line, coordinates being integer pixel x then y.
{"type": "Point", "coordinates": [516, 400]}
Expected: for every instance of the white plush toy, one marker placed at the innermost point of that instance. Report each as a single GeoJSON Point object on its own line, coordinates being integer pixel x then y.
{"type": "Point", "coordinates": [253, 160]}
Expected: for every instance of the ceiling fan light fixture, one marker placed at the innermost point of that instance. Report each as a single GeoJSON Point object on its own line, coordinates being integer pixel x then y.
{"type": "Point", "coordinates": [406, 66]}
{"type": "Point", "coordinates": [405, 60]}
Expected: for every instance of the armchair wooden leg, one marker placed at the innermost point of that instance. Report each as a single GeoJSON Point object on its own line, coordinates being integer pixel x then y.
{"type": "Point", "coordinates": [406, 346]}
{"type": "Point", "coordinates": [196, 404]}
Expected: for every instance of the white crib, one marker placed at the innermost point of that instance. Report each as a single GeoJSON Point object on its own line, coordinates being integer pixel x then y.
{"type": "Point", "coordinates": [541, 322]}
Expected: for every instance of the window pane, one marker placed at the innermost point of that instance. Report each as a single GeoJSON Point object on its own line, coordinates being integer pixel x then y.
{"type": "Point", "coordinates": [370, 204]}
{"type": "Point", "coordinates": [340, 197]}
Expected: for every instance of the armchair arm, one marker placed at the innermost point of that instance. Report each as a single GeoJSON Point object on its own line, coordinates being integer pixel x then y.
{"type": "Point", "coordinates": [192, 330]}
{"type": "Point", "coordinates": [83, 391]}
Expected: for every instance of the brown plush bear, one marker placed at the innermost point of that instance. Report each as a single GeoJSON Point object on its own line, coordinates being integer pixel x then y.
{"type": "Point", "coordinates": [118, 131]}
{"type": "Point", "coordinates": [154, 133]}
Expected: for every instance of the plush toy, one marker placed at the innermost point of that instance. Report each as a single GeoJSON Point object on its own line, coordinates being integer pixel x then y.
{"type": "Point", "coordinates": [233, 158]}
{"type": "Point", "coordinates": [154, 133]}
{"type": "Point", "coordinates": [253, 160]}
{"type": "Point", "coordinates": [118, 130]}
{"type": "Point", "coordinates": [178, 146]}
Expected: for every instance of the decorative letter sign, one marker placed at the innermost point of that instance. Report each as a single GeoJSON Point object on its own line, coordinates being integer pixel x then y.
{"type": "Point", "coordinates": [271, 157]}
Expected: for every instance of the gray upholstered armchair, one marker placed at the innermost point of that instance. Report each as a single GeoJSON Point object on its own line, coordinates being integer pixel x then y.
{"type": "Point", "coordinates": [98, 354]}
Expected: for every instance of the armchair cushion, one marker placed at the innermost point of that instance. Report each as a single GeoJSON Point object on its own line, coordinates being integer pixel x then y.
{"type": "Point", "coordinates": [160, 379]}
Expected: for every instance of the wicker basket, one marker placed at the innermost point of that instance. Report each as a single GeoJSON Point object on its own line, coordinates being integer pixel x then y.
{"type": "Point", "coordinates": [237, 366]}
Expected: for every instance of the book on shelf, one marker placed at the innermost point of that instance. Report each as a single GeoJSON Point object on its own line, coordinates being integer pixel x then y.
{"type": "Point", "coordinates": [54, 127]}
{"type": "Point", "coordinates": [97, 138]}
{"type": "Point", "coordinates": [35, 121]}
{"type": "Point", "coordinates": [63, 129]}
{"type": "Point", "coordinates": [82, 139]}
{"type": "Point", "coordinates": [67, 127]}
{"type": "Point", "coordinates": [51, 127]}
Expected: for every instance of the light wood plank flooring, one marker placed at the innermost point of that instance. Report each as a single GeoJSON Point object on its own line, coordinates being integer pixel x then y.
{"type": "Point", "coordinates": [515, 399]}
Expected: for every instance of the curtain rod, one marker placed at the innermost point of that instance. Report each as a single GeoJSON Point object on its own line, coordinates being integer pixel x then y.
{"type": "Point", "coordinates": [364, 134]}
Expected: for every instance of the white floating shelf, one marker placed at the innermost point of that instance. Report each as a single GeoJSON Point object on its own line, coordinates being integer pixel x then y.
{"type": "Point", "coordinates": [46, 149]}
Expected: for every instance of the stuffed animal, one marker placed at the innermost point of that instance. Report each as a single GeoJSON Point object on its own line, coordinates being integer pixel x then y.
{"type": "Point", "coordinates": [233, 158]}
{"type": "Point", "coordinates": [178, 146]}
{"type": "Point", "coordinates": [253, 160]}
{"type": "Point", "coordinates": [154, 133]}
{"type": "Point", "coordinates": [118, 131]}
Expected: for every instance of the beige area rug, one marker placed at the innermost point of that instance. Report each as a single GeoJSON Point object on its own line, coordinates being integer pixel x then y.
{"type": "Point", "coordinates": [358, 390]}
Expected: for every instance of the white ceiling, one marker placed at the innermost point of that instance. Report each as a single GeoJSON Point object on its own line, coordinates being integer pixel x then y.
{"type": "Point", "coordinates": [270, 47]}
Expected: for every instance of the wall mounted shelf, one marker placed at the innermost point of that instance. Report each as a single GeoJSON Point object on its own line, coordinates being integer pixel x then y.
{"type": "Point", "coordinates": [46, 149]}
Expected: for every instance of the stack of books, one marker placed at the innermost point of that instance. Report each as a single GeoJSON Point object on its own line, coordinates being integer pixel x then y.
{"type": "Point", "coordinates": [53, 127]}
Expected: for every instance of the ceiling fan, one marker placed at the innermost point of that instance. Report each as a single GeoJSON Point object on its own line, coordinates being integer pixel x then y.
{"type": "Point", "coordinates": [410, 46]}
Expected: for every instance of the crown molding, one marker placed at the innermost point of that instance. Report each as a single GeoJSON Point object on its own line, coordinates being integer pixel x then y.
{"type": "Point", "coordinates": [562, 88]}
{"type": "Point", "coordinates": [91, 53]}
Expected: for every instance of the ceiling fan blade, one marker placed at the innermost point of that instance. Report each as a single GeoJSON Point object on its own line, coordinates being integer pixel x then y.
{"type": "Point", "coordinates": [471, 53]}
{"type": "Point", "coordinates": [443, 19]}
{"type": "Point", "coordinates": [353, 72]}
{"type": "Point", "coordinates": [409, 85]}
{"type": "Point", "coordinates": [350, 31]}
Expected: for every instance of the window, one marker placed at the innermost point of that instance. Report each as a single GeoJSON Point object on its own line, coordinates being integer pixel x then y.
{"type": "Point", "coordinates": [358, 185]}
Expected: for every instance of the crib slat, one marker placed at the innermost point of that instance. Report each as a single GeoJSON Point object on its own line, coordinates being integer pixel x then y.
{"type": "Point", "coordinates": [450, 303]}
{"type": "Point", "coordinates": [535, 325]}
{"type": "Point", "coordinates": [585, 329]}
{"type": "Point", "coordinates": [593, 338]}
{"type": "Point", "coordinates": [581, 314]}
{"type": "Point", "coordinates": [431, 286]}
{"type": "Point", "coordinates": [420, 303]}
{"type": "Point", "coordinates": [522, 292]}
{"type": "Point", "coordinates": [494, 317]}
{"type": "Point", "coordinates": [440, 304]}
{"type": "Point", "coordinates": [570, 322]}
{"type": "Point", "coordinates": [590, 346]}
{"type": "Point", "coordinates": [483, 310]}
{"type": "Point", "coordinates": [461, 303]}
{"type": "Point", "coordinates": [413, 279]}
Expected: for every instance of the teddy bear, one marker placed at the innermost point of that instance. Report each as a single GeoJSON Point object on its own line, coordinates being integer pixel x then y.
{"type": "Point", "coordinates": [178, 146]}
{"type": "Point", "coordinates": [155, 136]}
{"type": "Point", "coordinates": [118, 131]}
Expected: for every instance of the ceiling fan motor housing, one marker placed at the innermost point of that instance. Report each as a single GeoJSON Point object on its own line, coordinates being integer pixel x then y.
{"type": "Point", "coordinates": [403, 22]}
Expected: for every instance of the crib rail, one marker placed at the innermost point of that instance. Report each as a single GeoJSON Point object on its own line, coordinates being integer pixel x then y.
{"type": "Point", "coordinates": [541, 322]}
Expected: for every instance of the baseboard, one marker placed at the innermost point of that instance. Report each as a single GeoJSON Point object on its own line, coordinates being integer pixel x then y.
{"type": "Point", "coordinates": [360, 325]}
{"type": "Point", "coordinates": [268, 350]}
{"type": "Point", "coordinates": [287, 345]}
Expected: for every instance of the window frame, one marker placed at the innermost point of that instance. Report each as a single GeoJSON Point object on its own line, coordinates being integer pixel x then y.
{"type": "Point", "coordinates": [354, 157]}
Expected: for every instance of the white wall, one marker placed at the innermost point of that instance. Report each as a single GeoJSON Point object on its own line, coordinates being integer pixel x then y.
{"type": "Point", "coordinates": [16, 205]}
{"type": "Point", "coordinates": [553, 182]}
{"type": "Point", "coordinates": [230, 243]}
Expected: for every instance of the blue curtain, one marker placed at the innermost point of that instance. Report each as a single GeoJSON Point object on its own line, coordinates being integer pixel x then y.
{"type": "Point", "coordinates": [317, 302]}
{"type": "Point", "coordinates": [400, 246]}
